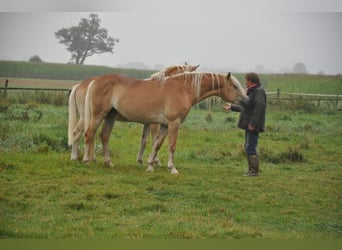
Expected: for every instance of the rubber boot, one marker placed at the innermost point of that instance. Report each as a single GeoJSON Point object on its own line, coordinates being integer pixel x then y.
{"type": "Point", "coordinates": [249, 165]}
{"type": "Point", "coordinates": [254, 165]}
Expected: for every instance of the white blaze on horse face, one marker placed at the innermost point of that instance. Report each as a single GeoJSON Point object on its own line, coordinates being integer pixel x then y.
{"type": "Point", "coordinates": [238, 86]}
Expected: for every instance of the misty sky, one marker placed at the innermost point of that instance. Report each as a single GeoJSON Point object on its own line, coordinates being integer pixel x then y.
{"type": "Point", "coordinates": [218, 34]}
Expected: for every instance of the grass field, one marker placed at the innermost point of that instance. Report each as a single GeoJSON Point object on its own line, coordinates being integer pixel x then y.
{"type": "Point", "coordinates": [297, 196]}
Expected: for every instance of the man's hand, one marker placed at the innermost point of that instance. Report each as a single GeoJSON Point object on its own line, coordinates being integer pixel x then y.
{"type": "Point", "coordinates": [251, 127]}
{"type": "Point", "coordinates": [227, 106]}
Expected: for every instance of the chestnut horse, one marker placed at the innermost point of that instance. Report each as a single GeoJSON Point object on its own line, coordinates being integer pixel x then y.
{"type": "Point", "coordinates": [76, 106]}
{"type": "Point", "coordinates": [166, 102]}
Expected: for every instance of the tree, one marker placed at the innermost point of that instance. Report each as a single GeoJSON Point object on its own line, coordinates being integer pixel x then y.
{"type": "Point", "coordinates": [86, 39]}
{"type": "Point", "coordinates": [35, 58]}
{"type": "Point", "coordinates": [300, 68]}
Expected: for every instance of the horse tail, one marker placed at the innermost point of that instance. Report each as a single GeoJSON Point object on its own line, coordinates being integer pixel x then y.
{"type": "Point", "coordinates": [87, 106]}
{"type": "Point", "coordinates": [72, 114]}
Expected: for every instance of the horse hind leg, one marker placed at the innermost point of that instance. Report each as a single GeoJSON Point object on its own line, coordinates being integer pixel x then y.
{"type": "Point", "coordinates": [157, 144]}
{"type": "Point", "coordinates": [105, 135]}
{"type": "Point", "coordinates": [89, 145]}
{"type": "Point", "coordinates": [74, 151]}
{"type": "Point", "coordinates": [173, 133]}
{"type": "Point", "coordinates": [89, 138]}
{"type": "Point", "coordinates": [154, 128]}
{"type": "Point", "coordinates": [75, 142]}
{"type": "Point", "coordinates": [144, 136]}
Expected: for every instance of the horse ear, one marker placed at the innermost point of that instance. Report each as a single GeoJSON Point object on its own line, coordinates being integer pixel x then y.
{"type": "Point", "coordinates": [195, 67]}
{"type": "Point", "coordinates": [228, 76]}
{"type": "Point", "coordinates": [185, 63]}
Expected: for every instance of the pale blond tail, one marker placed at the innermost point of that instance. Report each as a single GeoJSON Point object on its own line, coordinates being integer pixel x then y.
{"type": "Point", "coordinates": [87, 107]}
{"type": "Point", "coordinates": [72, 114]}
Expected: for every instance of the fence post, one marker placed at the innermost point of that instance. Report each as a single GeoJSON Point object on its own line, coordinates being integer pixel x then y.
{"type": "Point", "coordinates": [278, 95]}
{"type": "Point", "coordinates": [337, 101]}
{"type": "Point", "coordinates": [5, 90]}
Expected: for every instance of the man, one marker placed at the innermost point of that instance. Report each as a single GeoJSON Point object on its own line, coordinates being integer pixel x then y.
{"type": "Point", "coordinates": [252, 120]}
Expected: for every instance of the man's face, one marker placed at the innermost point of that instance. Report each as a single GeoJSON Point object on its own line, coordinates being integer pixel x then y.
{"type": "Point", "coordinates": [248, 83]}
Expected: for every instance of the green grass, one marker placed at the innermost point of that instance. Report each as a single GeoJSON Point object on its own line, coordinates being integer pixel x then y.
{"type": "Point", "coordinates": [313, 84]}
{"type": "Point", "coordinates": [43, 195]}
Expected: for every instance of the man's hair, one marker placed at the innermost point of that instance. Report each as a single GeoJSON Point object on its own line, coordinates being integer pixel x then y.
{"type": "Point", "coordinates": [253, 77]}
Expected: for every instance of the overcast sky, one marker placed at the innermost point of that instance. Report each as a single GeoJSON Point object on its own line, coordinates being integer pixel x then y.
{"type": "Point", "coordinates": [218, 34]}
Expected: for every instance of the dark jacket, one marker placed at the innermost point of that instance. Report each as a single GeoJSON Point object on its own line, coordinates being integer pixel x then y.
{"type": "Point", "coordinates": [254, 112]}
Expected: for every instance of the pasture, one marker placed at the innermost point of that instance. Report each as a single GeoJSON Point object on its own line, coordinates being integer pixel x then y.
{"type": "Point", "coordinates": [297, 195]}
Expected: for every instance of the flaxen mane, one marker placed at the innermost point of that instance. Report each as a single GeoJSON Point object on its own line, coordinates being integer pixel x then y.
{"type": "Point", "coordinates": [166, 72]}
{"type": "Point", "coordinates": [197, 79]}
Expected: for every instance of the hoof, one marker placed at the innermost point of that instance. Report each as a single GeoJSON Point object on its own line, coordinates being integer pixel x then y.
{"type": "Point", "coordinates": [149, 169]}
{"type": "Point", "coordinates": [174, 171]}
{"type": "Point", "coordinates": [87, 162]}
{"type": "Point", "coordinates": [109, 164]}
{"type": "Point", "coordinates": [140, 161]}
{"type": "Point", "coordinates": [157, 162]}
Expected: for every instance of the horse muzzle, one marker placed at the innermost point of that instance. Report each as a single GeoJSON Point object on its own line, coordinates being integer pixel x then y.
{"type": "Point", "coordinates": [242, 100]}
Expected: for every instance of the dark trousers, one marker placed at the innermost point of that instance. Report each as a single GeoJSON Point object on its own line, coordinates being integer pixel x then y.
{"type": "Point", "coordinates": [251, 142]}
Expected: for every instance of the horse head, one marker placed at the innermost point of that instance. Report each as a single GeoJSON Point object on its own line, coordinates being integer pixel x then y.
{"type": "Point", "coordinates": [233, 91]}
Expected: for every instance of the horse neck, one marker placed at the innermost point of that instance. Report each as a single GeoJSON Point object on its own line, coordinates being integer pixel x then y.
{"type": "Point", "coordinates": [208, 85]}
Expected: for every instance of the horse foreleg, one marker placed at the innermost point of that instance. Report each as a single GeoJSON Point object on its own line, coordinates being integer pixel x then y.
{"type": "Point", "coordinates": [173, 133]}
{"type": "Point", "coordinates": [154, 133]}
{"type": "Point", "coordinates": [159, 141]}
{"type": "Point", "coordinates": [105, 134]}
{"type": "Point", "coordinates": [144, 136]}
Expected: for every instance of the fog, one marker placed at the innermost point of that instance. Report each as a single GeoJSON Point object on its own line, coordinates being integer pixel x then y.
{"type": "Point", "coordinates": [236, 36]}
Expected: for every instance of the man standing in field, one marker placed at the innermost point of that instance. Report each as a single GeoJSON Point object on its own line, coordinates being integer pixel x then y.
{"type": "Point", "coordinates": [252, 120]}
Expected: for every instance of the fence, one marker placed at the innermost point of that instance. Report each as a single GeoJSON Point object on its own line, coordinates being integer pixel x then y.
{"type": "Point", "coordinates": [291, 96]}
{"type": "Point", "coordinates": [271, 96]}
{"type": "Point", "coordinates": [6, 88]}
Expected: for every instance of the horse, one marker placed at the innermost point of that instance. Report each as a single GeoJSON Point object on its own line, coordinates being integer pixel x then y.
{"type": "Point", "coordinates": [76, 110]}
{"type": "Point", "coordinates": [166, 102]}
